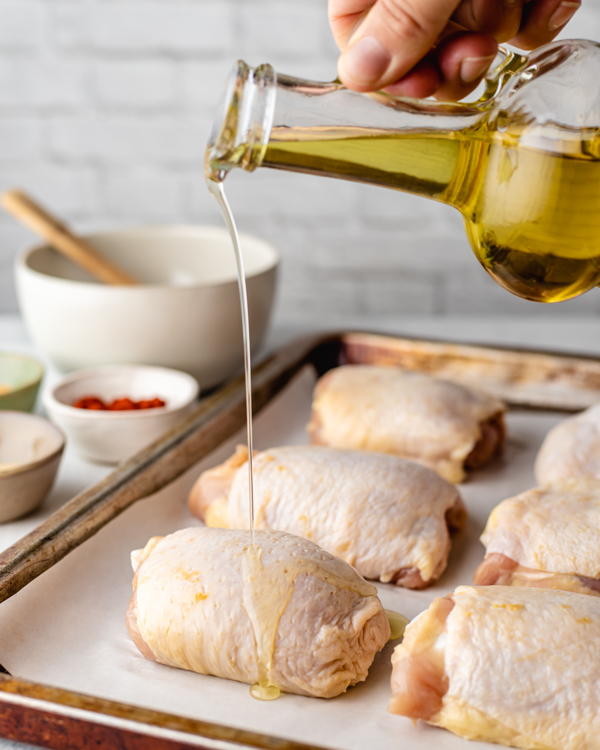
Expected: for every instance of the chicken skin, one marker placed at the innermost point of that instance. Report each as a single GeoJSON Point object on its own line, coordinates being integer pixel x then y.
{"type": "Point", "coordinates": [283, 613]}
{"type": "Point", "coordinates": [514, 666]}
{"type": "Point", "coordinates": [442, 425]}
{"type": "Point", "coordinates": [571, 450]}
{"type": "Point", "coordinates": [387, 517]}
{"type": "Point", "coordinates": [547, 538]}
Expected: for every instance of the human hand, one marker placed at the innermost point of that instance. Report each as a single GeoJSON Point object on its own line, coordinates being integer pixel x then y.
{"type": "Point", "coordinates": [423, 48]}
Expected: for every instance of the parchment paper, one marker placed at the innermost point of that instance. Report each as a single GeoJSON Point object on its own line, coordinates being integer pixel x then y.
{"type": "Point", "coordinates": [67, 628]}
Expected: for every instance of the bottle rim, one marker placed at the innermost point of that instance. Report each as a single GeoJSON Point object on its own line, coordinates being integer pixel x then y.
{"type": "Point", "coordinates": [242, 125]}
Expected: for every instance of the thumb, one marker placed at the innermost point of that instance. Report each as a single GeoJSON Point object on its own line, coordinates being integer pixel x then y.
{"type": "Point", "coordinates": [392, 38]}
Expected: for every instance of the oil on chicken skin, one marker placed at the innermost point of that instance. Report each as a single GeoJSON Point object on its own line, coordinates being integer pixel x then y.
{"type": "Point", "coordinates": [442, 425]}
{"type": "Point", "coordinates": [545, 538]}
{"type": "Point", "coordinates": [571, 450]}
{"type": "Point", "coordinates": [515, 666]}
{"type": "Point", "coordinates": [387, 517]}
{"type": "Point", "coordinates": [191, 609]}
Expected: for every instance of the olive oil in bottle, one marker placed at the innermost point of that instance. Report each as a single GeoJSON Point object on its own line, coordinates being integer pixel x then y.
{"type": "Point", "coordinates": [532, 216]}
{"type": "Point", "coordinates": [533, 220]}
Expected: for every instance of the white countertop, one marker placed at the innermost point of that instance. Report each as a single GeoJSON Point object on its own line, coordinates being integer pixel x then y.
{"type": "Point", "coordinates": [574, 335]}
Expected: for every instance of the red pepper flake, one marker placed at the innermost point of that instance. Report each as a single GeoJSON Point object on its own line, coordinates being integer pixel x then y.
{"type": "Point", "coordinates": [119, 404]}
{"type": "Point", "coordinates": [152, 403]}
{"type": "Point", "coordinates": [90, 402]}
{"type": "Point", "coordinates": [122, 404]}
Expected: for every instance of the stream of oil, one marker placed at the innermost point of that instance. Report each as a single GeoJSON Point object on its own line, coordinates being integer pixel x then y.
{"type": "Point", "coordinates": [252, 567]}
{"type": "Point", "coordinates": [267, 590]}
{"type": "Point", "coordinates": [218, 192]}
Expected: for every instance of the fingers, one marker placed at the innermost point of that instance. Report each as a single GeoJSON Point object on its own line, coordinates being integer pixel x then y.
{"type": "Point", "coordinates": [542, 20]}
{"type": "Point", "coordinates": [500, 18]}
{"type": "Point", "coordinates": [392, 38]}
{"type": "Point", "coordinates": [463, 60]}
{"type": "Point", "coordinates": [420, 82]}
{"type": "Point", "coordinates": [344, 15]}
{"type": "Point", "coordinates": [388, 43]}
{"type": "Point", "coordinates": [452, 70]}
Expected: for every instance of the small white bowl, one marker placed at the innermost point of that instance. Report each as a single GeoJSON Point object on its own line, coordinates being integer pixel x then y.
{"type": "Point", "coordinates": [30, 453]}
{"type": "Point", "coordinates": [113, 436]}
{"type": "Point", "coordinates": [184, 313]}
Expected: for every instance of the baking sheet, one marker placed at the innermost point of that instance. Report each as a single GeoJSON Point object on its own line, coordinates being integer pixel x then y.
{"type": "Point", "coordinates": [67, 628]}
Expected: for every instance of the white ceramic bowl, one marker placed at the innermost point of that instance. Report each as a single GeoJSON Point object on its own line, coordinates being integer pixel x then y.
{"type": "Point", "coordinates": [185, 314]}
{"type": "Point", "coordinates": [113, 436]}
{"type": "Point", "coordinates": [30, 453]}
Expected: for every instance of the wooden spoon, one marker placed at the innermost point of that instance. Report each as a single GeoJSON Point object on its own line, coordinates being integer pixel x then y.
{"type": "Point", "coordinates": [28, 212]}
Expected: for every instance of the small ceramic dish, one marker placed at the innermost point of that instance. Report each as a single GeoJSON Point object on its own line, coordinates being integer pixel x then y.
{"type": "Point", "coordinates": [30, 453]}
{"type": "Point", "coordinates": [113, 436]}
{"type": "Point", "coordinates": [20, 379]}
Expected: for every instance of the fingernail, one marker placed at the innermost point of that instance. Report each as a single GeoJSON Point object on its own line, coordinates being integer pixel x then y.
{"type": "Point", "coordinates": [563, 13]}
{"type": "Point", "coordinates": [472, 68]}
{"type": "Point", "coordinates": [365, 61]}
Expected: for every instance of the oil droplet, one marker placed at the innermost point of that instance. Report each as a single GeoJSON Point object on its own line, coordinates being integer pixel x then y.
{"type": "Point", "coordinates": [397, 623]}
{"type": "Point", "coordinates": [264, 692]}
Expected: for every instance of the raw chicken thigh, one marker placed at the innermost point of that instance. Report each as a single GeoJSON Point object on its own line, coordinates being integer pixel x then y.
{"type": "Point", "coordinates": [288, 614]}
{"type": "Point", "coordinates": [546, 538]}
{"type": "Point", "coordinates": [442, 425]}
{"type": "Point", "coordinates": [515, 666]}
{"type": "Point", "coordinates": [387, 517]}
{"type": "Point", "coordinates": [571, 450]}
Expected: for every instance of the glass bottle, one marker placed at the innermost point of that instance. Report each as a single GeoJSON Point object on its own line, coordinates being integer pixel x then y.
{"type": "Point", "coordinates": [522, 164]}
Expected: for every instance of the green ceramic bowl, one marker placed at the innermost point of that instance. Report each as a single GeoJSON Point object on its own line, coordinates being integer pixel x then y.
{"type": "Point", "coordinates": [23, 375]}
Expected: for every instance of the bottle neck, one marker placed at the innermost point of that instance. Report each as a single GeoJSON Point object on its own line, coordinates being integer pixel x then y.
{"type": "Point", "coordinates": [325, 129]}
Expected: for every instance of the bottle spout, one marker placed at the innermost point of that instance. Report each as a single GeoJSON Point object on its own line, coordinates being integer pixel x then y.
{"type": "Point", "coordinates": [241, 128]}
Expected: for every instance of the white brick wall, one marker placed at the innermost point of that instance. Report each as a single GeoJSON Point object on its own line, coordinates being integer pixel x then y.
{"type": "Point", "coordinates": [105, 107]}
